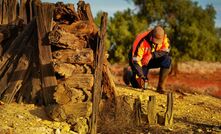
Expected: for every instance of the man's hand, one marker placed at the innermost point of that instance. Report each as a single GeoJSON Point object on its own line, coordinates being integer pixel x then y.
{"type": "Point", "coordinates": [141, 80]}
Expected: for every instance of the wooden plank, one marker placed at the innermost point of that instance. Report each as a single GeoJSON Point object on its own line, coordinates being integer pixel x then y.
{"type": "Point", "coordinates": [22, 10]}
{"type": "Point", "coordinates": [169, 111]}
{"type": "Point", "coordinates": [84, 56]}
{"type": "Point", "coordinates": [152, 110]}
{"type": "Point", "coordinates": [137, 112]}
{"type": "Point", "coordinates": [64, 39]}
{"type": "Point", "coordinates": [17, 78]}
{"type": "Point", "coordinates": [98, 74]}
{"type": "Point", "coordinates": [16, 47]}
{"type": "Point", "coordinates": [12, 11]}
{"type": "Point", "coordinates": [48, 79]}
{"type": "Point", "coordinates": [108, 84]}
{"type": "Point", "coordinates": [1, 11]}
{"type": "Point", "coordinates": [5, 11]}
{"type": "Point", "coordinates": [67, 70]}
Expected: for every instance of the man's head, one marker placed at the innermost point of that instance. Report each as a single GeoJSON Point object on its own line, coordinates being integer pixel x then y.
{"type": "Point", "coordinates": [158, 35]}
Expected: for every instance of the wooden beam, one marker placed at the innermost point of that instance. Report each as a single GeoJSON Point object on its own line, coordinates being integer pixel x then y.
{"type": "Point", "coordinates": [1, 11]}
{"type": "Point", "coordinates": [16, 47]}
{"type": "Point", "coordinates": [151, 110]}
{"type": "Point", "coordinates": [169, 112]}
{"type": "Point", "coordinates": [17, 78]}
{"type": "Point", "coordinates": [48, 78]}
{"type": "Point", "coordinates": [98, 73]}
{"type": "Point", "coordinates": [12, 11]}
{"type": "Point", "coordinates": [137, 112]}
{"type": "Point", "coordinates": [5, 11]}
{"type": "Point", "coordinates": [22, 10]}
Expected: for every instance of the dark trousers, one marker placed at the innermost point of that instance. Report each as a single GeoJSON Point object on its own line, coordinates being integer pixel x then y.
{"type": "Point", "coordinates": [159, 62]}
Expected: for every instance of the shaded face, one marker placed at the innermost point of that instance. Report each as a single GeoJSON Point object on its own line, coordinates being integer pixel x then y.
{"type": "Point", "coordinates": [158, 35]}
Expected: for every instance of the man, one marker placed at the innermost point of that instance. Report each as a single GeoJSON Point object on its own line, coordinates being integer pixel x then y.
{"type": "Point", "coordinates": [150, 50]}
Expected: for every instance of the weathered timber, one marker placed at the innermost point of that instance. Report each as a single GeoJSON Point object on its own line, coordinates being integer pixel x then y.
{"type": "Point", "coordinates": [108, 84]}
{"type": "Point", "coordinates": [17, 78]}
{"type": "Point", "coordinates": [84, 56]}
{"type": "Point", "coordinates": [169, 111]}
{"type": "Point", "coordinates": [137, 112]}
{"type": "Point", "coordinates": [22, 10]}
{"type": "Point", "coordinates": [65, 94]}
{"type": "Point", "coordinates": [98, 74]}
{"type": "Point", "coordinates": [11, 63]}
{"type": "Point", "coordinates": [64, 39]}
{"type": "Point", "coordinates": [48, 79]}
{"type": "Point", "coordinates": [70, 111]}
{"type": "Point", "coordinates": [10, 33]}
{"type": "Point", "coordinates": [79, 81]}
{"type": "Point", "coordinates": [47, 10]}
{"type": "Point", "coordinates": [1, 11]}
{"type": "Point", "coordinates": [1, 37]}
{"type": "Point", "coordinates": [151, 108]}
{"type": "Point", "coordinates": [12, 14]}
{"type": "Point", "coordinates": [16, 47]}
{"type": "Point", "coordinates": [67, 70]}
{"type": "Point", "coordinates": [84, 11]}
{"type": "Point", "coordinates": [80, 28]}
{"type": "Point", "coordinates": [6, 76]}
{"type": "Point", "coordinates": [5, 11]}
{"type": "Point", "coordinates": [65, 14]}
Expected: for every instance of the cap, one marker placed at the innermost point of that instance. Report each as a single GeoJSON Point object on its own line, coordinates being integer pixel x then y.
{"type": "Point", "coordinates": [158, 35]}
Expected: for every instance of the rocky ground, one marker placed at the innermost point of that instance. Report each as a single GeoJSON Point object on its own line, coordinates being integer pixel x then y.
{"type": "Point", "coordinates": [196, 110]}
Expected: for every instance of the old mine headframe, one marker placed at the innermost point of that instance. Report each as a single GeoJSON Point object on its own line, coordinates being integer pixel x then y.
{"type": "Point", "coordinates": [54, 55]}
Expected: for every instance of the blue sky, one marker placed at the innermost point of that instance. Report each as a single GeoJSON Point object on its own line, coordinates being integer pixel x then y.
{"type": "Point", "coordinates": [111, 6]}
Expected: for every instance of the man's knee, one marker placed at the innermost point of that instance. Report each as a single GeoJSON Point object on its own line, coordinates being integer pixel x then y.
{"type": "Point", "coordinates": [166, 61]}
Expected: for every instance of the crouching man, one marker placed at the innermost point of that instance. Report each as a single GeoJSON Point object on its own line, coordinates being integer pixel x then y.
{"type": "Point", "coordinates": [150, 50]}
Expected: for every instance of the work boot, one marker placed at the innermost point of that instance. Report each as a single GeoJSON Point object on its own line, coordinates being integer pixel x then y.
{"type": "Point", "coordinates": [162, 79]}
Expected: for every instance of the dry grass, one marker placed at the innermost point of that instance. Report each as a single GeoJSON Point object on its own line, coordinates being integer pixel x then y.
{"type": "Point", "coordinates": [201, 67]}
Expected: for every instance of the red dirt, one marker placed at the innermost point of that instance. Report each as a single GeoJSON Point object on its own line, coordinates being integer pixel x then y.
{"type": "Point", "coordinates": [182, 82]}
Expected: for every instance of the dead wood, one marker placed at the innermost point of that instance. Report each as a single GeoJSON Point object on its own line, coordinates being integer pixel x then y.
{"type": "Point", "coordinates": [1, 11]}
{"type": "Point", "coordinates": [70, 111]}
{"type": "Point", "coordinates": [12, 14]}
{"type": "Point", "coordinates": [79, 81]}
{"type": "Point", "coordinates": [64, 39]}
{"type": "Point", "coordinates": [84, 56]}
{"type": "Point", "coordinates": [22, 10]}
{"type": "Point", "coordinates": [80, 28]}
{"type": "Point", "coordinates": [16, 48]}
{"type": "Point", "coordinates": [65, 14]}
{"type": "Point", "coordinates": [48, 79]}
{"type": "Point", "coordinates": [17, 78]}
{"type": "Point", "coordinates": [65, 94]}
{"type": "Point", "coordinates": [98, 74]}
{"type": "Point", "coordinates": [67, 70]}
{"type": "Point", "coordinates": [5, 11]}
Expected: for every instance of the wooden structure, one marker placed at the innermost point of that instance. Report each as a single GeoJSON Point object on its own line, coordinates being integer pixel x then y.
{"type": "Point", "coordinates": [53, 55]}
{"type": "Point", "coordinates": [169, 112]}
